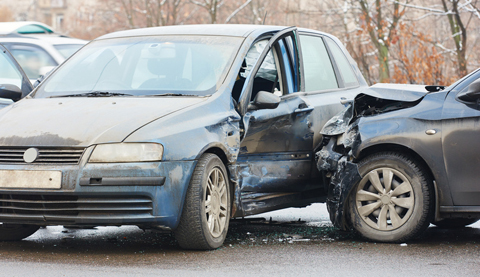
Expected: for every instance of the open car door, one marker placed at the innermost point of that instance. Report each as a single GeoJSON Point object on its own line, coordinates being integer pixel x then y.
{"type": "Point", "coordinates": [14, 83]}
{"type": "Point", "coordinates": [276, 152]}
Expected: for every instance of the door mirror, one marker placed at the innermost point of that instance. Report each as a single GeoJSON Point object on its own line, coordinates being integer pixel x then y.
{"type": "Point", "coordinates": [265, 100]}
{"type": "Point", "coordinates": [10, 92]}
{"type": "Point", "coordinates": [472, 94]}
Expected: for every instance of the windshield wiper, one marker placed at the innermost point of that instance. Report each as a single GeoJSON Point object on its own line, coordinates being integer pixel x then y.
{"type": "Point", "coordinates": [171, 94]}
{"type": "Point", "coordinates": [93, 94]}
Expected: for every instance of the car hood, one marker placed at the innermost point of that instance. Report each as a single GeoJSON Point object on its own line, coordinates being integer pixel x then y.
{"type": "Point", "coordinates": [82, 121]}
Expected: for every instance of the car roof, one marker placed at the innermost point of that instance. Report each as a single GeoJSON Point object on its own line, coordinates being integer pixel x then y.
{"type": "Point", "coordinates": [24, 27]}
{"type": "Point", "coordinates": [24, 30]}
{"type": "Point", "coordinates": [38, 39]}
{"type": "Point", "coordinates": [57, 39]}
{"type": "Point", "coordinates": [236, 30]}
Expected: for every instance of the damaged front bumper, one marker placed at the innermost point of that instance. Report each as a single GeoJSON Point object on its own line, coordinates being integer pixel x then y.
{"type": "Point", "coordinates": [149, 194]}
{"type": "Point", "coordinates": [343, 175]}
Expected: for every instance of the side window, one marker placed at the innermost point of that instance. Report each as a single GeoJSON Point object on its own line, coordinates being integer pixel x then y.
{"type": "Point", "coordinates": [267, 78]}
{"type": "Point", "coordinates": [32, 59]}
{"type": "Point", "coordinates": [319, 72]}
{"type": "Point", "coordinates": [343, 64]}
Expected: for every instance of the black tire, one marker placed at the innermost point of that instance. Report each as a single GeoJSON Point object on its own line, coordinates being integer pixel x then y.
{"type": "Point", "coordinates": [13, 232]}
{"type": "Point", "coordinates": [195, 229]}
{"type": "Point", "coordinates": [402, 210]}
{"type": "Point", "coordinates": [453, 223]}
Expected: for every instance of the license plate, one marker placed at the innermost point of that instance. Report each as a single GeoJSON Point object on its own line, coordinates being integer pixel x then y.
{"type": "Point", "coordinates": [31, 179]}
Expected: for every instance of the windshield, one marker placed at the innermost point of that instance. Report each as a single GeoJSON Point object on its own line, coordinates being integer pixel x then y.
{"type": "Point", "coordinates": [66, 50]}
{"type": "Point", "coordinates": [143, 66]}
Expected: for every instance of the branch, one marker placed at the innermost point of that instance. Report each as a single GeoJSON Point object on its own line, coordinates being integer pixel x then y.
{"type": "Point", "coordinates": [417, 7]}
{"type": "Point", "coordinates": [237, 10]}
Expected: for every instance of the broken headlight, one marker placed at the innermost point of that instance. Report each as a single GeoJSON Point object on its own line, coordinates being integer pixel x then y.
{"type": "Point", "coordinates": [126, 152]}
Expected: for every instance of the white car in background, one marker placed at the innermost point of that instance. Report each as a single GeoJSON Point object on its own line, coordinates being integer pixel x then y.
{"type": "Point", "coordinates": [36, 47]}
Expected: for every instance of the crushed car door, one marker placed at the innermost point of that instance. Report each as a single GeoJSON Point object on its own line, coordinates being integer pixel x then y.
{"type": "Point", "coordinates": [461, 147]}
{"type": "Point", "coordinates": [13, 80]}
{"type": "Point", "coordinates": [275, 159]}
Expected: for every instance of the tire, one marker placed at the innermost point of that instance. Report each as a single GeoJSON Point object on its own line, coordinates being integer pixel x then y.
{"type": "Point", "coordinates": [14, 232]}
{"type": "Point", "coordinates": [391, 211]}
{"type": "Point", "coordinates": [453, 223]}
{"type": "Point", "coordinates": [206, 212]}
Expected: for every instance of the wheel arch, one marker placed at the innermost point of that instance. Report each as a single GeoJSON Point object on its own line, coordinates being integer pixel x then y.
{"type": "Point", "coordinates": [221, 153]}
{"type": "Point", "coordinates": [218, 149]}
{"type": "Point", "coordinates": [391, 147]}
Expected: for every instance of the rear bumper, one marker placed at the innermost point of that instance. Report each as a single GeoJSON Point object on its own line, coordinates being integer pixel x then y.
{"type": "Point", "coordinates": [148, 194]}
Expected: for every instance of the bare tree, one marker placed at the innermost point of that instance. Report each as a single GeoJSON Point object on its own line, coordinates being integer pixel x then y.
{"type": "Point", "coordinates": [128, 7]}
{"type": "Point", "coordinates": [212, 7]}
{"type": "Point", "coordinates": [163, 12]}
{"type": "Point", "coordinates": [381, 27]}
{"type": "Point", "coordinates": [459, 14]}
{"type": "Point", "coordinates": [458, 30]}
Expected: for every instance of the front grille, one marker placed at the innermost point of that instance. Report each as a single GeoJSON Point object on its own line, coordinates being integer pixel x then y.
{"type": "Point", "coordinates": [72, 206]}
{"type": "Point", "coordinates": [47, 155]}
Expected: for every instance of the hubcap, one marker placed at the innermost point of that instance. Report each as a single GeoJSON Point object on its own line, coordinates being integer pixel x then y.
{"type": "Point", "coordinates": [384, 199]}
{"type": "Point", "coordinates": [216, 202]}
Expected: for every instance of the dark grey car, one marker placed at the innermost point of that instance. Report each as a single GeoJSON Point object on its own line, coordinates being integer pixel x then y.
{"type": "Point", "coordinates": [178, 128]}
{"type": "Point", "coordinates": [398, 163]}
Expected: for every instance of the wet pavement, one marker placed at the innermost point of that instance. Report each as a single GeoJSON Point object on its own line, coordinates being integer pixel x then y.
{"type": "Point", "coordinates": [283, 243]}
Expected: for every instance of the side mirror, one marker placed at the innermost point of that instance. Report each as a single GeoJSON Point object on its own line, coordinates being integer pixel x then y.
{"type": "Point", "coordinates": [265, 100]}
{"type": "Point", "coordinates": [472, 95]}
{"type": "Point", "coordinates": [10, 92]}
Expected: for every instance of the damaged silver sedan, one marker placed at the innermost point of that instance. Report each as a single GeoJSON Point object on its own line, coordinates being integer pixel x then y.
{"type": "Point", "coordinates": [398, 161]}
{"type": "Point", "coordinates": [176, 128]}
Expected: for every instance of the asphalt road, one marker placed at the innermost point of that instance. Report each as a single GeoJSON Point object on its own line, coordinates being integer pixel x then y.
{"type": "Point", "coordinates": [295, 242]}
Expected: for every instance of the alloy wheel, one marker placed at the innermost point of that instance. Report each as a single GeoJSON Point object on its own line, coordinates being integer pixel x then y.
{"type": "Point", "coordinates": [384, 199]}
{"type": "Point", "coordinates": [216, 200]}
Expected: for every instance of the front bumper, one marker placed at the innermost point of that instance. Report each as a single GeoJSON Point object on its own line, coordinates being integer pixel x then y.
{"type": "Point", "coordinates": [147, 194]}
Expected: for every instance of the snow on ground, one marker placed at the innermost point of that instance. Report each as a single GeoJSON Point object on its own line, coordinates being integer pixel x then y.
{"type": "Point", "coordinates": [315, 214]}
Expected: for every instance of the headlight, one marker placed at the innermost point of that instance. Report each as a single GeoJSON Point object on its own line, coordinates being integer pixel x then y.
{"type": "Point", "coordinates": [127, 152]}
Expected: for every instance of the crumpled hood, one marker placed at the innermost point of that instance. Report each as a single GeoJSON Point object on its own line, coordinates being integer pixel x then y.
{"type": "Point", "coordinates": [82, 121]}
{"type": "Point", "coordinates": [379, 98]}
{"type": "Point", "coordinates": [398, 92]}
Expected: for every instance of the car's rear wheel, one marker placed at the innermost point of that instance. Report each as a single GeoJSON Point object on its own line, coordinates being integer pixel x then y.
{"type": "Point", "coordinates": [206, 212]}
{"type": "Point", "coordinates": [393, 200]}
{"type": "Point", "coordinates": [452, 223]}
{"type": "Point", "coordinates": [12, 232]}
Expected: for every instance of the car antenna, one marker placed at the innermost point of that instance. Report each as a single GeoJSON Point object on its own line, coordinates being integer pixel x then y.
{"type": "Point", "coordinates": [265, 17]}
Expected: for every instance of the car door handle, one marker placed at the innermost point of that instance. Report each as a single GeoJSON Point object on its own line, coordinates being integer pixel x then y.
{"type": "Point", "coordinates": [303, 110]}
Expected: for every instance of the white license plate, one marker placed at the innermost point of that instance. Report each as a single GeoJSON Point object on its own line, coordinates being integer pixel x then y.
{"type": "Point", "coordinates": [34, 179]}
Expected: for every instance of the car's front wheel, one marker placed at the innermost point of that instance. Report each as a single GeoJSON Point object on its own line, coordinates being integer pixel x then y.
{"type": "Point", "coordinates": [206, 212]}
{"type": "Point", "coordinates": [12, 232]}
{"type": "Point", "coordinates": [393, 202]}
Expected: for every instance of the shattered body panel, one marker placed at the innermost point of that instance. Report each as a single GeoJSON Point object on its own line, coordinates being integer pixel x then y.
{"type": "Point", "coordinates": [427, 127]}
